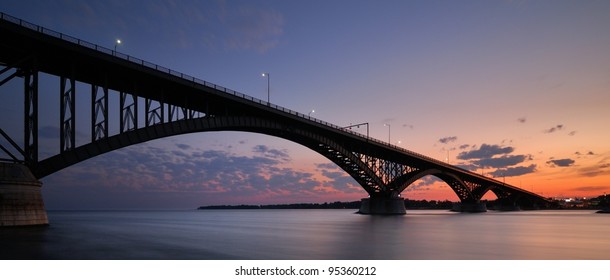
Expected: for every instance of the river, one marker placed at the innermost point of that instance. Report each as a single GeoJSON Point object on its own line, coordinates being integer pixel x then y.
{"type": "Point", "coordinates": [312, 235]}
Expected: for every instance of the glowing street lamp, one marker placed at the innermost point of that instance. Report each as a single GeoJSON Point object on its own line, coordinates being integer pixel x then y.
{"type": "Point", "coordinates": [312, 111]}
{"type": "Point", "coordinates": [268, 78]}
{"type": "Point", "coordinates": [118, 42]}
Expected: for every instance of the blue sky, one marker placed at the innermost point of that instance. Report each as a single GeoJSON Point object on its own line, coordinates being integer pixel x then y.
{"type": "Point", "coordinates": [518, 88]}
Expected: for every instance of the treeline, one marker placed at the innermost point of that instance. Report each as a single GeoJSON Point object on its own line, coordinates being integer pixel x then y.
{"type": "Point", "coordinates": [409, 204]}
{"type": "Point", "coordinates": [431, 204]}
{"type": "Point", "coordinates": [332, 205]}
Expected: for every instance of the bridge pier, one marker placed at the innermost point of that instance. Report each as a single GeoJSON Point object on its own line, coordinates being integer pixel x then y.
{"type": "Point", "coordinates": [470, 207]}
{"type": "Point", "coordinates": [508, 206]}
{"type": "Point", "coordinates": [532, 207]}
{"type": "Point", "coordinates": [21, 201]}
{"type": "Point", "coordinates": [381, 205]}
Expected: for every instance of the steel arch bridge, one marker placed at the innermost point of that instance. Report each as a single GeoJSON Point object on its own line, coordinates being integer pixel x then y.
{"type": "Point", "coordinates": [174, 103]}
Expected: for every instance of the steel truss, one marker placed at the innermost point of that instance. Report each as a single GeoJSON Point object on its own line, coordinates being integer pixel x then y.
{"type": "Point", "coordinates": [99, 112]}
{"type": "Point", "coordinates": [31, 116]}
{"type": "Point", "coordinates": [155, 111]}
{"type": "Point", "coordinates": [128, 112]}
{"type": "Point", "coordinates": [67, 114]}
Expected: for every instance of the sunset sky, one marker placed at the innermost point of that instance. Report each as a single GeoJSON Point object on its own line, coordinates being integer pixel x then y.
{"type": "Point", "coordinates": [518, 90]}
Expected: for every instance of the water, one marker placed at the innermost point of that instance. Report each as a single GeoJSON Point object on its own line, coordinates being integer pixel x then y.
{"type": "Point", "coordinates": [311, 234]}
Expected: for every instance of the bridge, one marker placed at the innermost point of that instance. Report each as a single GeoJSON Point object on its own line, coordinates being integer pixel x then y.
{"type": "Point", "coordinates": [174, 104]}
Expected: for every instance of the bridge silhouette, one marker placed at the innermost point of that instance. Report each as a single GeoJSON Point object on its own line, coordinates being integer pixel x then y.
{"type": "Point", "coordinates": [174, 104]}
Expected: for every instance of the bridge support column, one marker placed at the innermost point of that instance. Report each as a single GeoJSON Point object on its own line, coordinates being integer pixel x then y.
{"type": "Point", "coordinates": [534, 206]}
{"type": "Point", "coordinates": [508, 206]}
{"type": "Point", "coordinates": [20, 197]}
{"type": "Point", "coordinates": [470, 207]}
{"type": "Point", "coordinates": [382, 206]}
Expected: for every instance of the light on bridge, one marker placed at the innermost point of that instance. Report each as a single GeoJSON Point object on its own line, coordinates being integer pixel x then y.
{"type": "Point", "coordinates": [265, 74]}
{"type": "Point", "coordinates": [118, 42]}
{"type": "Point", "coordinates": [389, 132]}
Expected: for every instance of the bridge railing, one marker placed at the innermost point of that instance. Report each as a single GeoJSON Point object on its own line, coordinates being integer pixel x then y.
{"type": "Point", "coordinates": [151, 65]}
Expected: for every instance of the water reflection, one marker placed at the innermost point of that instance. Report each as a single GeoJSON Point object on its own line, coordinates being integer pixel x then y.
{"type": "Point", "coordinates": [311, 234]}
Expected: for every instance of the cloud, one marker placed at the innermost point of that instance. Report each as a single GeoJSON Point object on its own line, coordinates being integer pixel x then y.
{"type": "Point", "coordinates": [463, 147]}
{"type": "Point", "coordinates": [498, 157]}
{"type": "Point", "coordinates": [500, 162]}
{"type": "Point", "coordinates": [522, 120]}
{"type": "Point", "coordinates": [560, 162]}
{"type": "Point", "coordinates": [446, 140]}
{"type": "Point", "coordinates": [595, 170]}
{"type": "Point", "coordinates": [388, 120]}
{"type": "Point", "coordinates": [514, 171]}
{"type": "Point", "coordinates": [272, 153]}
{"type": "Point", "coordinates": [469, 167]}
{"type": "Point", "coordinates": [329, 165]}
{"type": "Point", "coordinates": [183, 146]}
{"type": "Point", "coordinates": [591, 188]}
{"type": "Point", "coordinates": [572, 133]}
{"type": "Point", "coordinates": [554, 129]}
{"type": "Point", "coordinates": [579, 154]}
{"type": "Point", "coordinates": [181, 173]}
{"type": "Point", "coordinates": [485, 151]}
{"type": "Point", "coordinates": [338, 180]}
{"type": "Point", "coordinates": [424, 183]}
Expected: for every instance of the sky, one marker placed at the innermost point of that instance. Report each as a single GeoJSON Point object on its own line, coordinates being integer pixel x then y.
{"type": "Point", "coordinates": [517, 90]}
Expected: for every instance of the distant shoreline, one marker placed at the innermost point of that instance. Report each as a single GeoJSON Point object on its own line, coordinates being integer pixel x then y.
{"type": "Point", "coordinates": [333, 205]}
{"type": "Point", "coordinates": [410, 204]}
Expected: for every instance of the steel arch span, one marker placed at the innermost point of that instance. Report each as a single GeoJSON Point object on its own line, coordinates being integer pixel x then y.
{"type": "Point", "coordinates": [365, 173]}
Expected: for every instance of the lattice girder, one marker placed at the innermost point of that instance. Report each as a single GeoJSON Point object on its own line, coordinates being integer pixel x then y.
{"type": "Point", "coordinates": [386, 170]}
{"type": "Point", "coordinates": [464, 190]}
{"type": "Point", "coordinates": [499, 192]}
{"type": "Point", "coordinates": [99, 112]}
{"type": "Point", "coordinates": [461, 188]}
{"type": "Point", "coordinates": [353, 165]}
{"type": "Point", "coordinates": [31, 117]}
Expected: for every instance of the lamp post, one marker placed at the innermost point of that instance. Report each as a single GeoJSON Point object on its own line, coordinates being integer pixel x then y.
{"type": "Point", "coordinates": [118, 42]}
{"type": "Point", "coordinates": [358, 125]}
{"type": "Point", "coordinates": [268, 78]}
{"type": "Point", "coordinates": [312, 111]}
{"type": "Point", "coordinates": [389, 131]}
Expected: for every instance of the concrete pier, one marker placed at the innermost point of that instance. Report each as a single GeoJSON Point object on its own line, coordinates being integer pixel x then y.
{"type": "Point", "coordinates": [21, 201]}
{"type": "Point", "coordinates": [382, 206]}
{"type": "Point", "coordinates": [508, 206]}
{"type": "Point", "coordinates": [470, 207]}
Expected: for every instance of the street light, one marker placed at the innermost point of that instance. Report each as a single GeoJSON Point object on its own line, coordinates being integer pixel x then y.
{"type": "Point", "coordinates": [268, 78]}
{"type": "Point", "coordinates": [118, 42]}
{"type": "Point", "coordinates": [389, 131]}
{"type": "Point", "coordinates": [312, 111]}
{"type": "Point", "coordinates": [358, 126]}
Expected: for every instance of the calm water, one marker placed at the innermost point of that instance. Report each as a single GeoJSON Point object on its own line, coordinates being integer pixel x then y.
{"type": "Point", "coordinates": [311, 234]}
